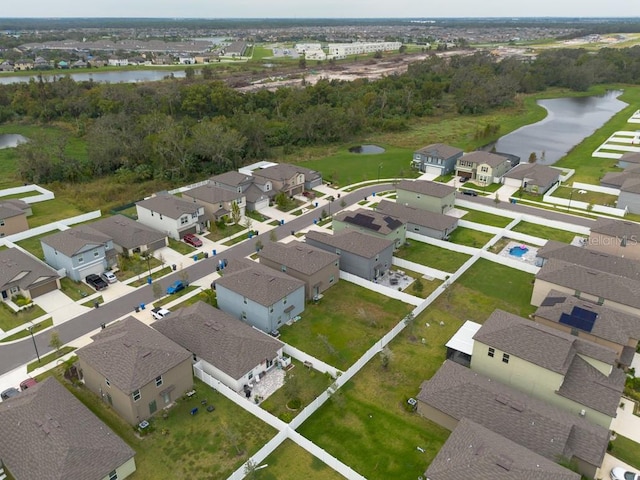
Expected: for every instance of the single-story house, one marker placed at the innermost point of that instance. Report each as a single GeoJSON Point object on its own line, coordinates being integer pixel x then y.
{"type": "Point", "coordinates": [48, 433]}
{"type": "Point", "coordinates": [629, 197]}
{"type": "Point", "coordinates": [532, 177]}
{"type": "Point", "coordinates": [130, 237]}
{"type": "Point", "coordinates": [586, 257]}
{"type": "Point", "coordinates": [605, 326]}
{"type": "Point", "coordinates": [80, 250]}
{"type": "Point", "coordinates": [473, 451]}
{"type": "Point", "coordinates": [172, 215]}
{"type": "Point", "coordinates": [317, 268]}
{"type": "Point", "coordinates": [422, 222]}
{"type": "Point", "coordinates": [360, 254]}
{"type": "Point", "coordinates": [259, 295]}
{"type": "Point", "coordinates": [135, 369]}
{"type": "Point", "coordinates": [572, 373]}
{"type": "Point", "coordinates": [484, 168]}
{"type": "Point", "coordinates": [372, 223]}
{"type": "Point", "coordinates": [22, 274]}
{"type": "Point", "coordinates": [629, 159]}
{"type": "Point", "coordinates": [456, 392]}
{"type": "Point", "coordinates": [617, 179]}
{"type": "Point", "coordinates": [217, 201]}
{"type": "Point", "coordinates": [431, 196]}
{"type": "Point", "coordinates": [257, 196]}
{"type": "Point", "coordinates": [13, 216]}
{"type": "Point", "coordinates": [228, 349]}
{"type": "Point", "coordinates": [615, 237]}
{"type": "Point", "coordinates": [436, 159]}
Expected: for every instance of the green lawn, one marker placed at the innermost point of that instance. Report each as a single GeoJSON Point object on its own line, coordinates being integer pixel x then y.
{"type": "Point", "coordinates": [235, 240]}
{"type": "Point", "coordinates": [492, 187]}
{"type": "Point", "coordinates": [542, 231]}
{"type": "Point", "coordinates": [51, 211]}
{"type": "Point", "coordinates": [92, 303]}
{"type": "Point", "coordinates": [51, 357]}
{"type": "Point", "coordinates": [344, 324]}
{"type": "Point", "coordinates": [469, 237]}
{"type": "Point", "coordinates": [154, 276]}
{"type": "Point", "coordinates": [174, 296]}
{"type": "Point", "coordinates": [31, 193]}
{"type": "Point", "coordinates": [626, 450]}
{"type": "Point", "coordinates": [428, 286]}
{"type": "Point", "coordinates": [432, 256]}
{"type": "Point", "coordinates": [290, 461]}
{"type": "Point", "coordinates": [218, 233]}
{"type": "Point", "coordinates": [595, 198]}
{"type": "Point", "coordinates": [181, 247]}
{"type": "Point", "coordinates": [10, 319]}
{"type": "Point", "coordinates": [75, 290]}
{"type": "Point", "coordinates": [207, 295]}
{"type": "Point", "coordinates": [135, 265]}
{"type": "Point", "coordinates": [485, 218]}
{"type": "Point", "coordinates": [33, 245]}
{"type": "Point", "coordinates": [256, 216]}
{"type": "Point", "coordinates": [37, 327]}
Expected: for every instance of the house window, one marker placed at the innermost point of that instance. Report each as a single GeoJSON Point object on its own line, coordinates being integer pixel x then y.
{"type": "Point", "coordinates": [244, 315]}
{"type": "Point", "coordinates": [244, 299]}
{"type": "Point", "coordinates": [136, 395]}
{"type": "Point", "coordinates": [106, 380]}
{"type": "Point", "coordinates": [80, 259]}
{"type": "Point", "coordinates": [331, 279]}
{"type": "Point", "coordinates": [336, 264]}
{"type": "Point", "coordinates": [337, 251]}
{"type": "Point", "coordinates": [14, 289]}
{"type": "Point", "coordinates": [250, 376]}
{"type": "Point", "coordinates": [491, 352]}
{"type": "Point", "coordinates": [159, 381]}
{"type": "Point", "coordinates": [194, 215]}
{"type": "Point", "coordinates": [184, 220]}
{"type": "Point", "coordinates": [484, 169]}
{"type": "Point", "coordinates": [505, 358]}
{"type": "Point", "coordinates": [96, 253]}
{"type": "Point", "coordinates": [113, 475]}
{"type": "Point", "coordinates": [152, 213]}
{"type": "Point", "coordinates": [271, 309]}
{"type": "Point", "coordinates": [1, 223]}
{"type": "Point", "coordinates": [160, 216]}
{"type": "Point", "coordinates": [284, 301]}
{"type": "Point", "coordinates": [283, 268]}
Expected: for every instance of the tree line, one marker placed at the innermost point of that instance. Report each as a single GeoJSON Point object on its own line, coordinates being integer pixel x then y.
{"type": "Point", "coordinates": [183, 129]}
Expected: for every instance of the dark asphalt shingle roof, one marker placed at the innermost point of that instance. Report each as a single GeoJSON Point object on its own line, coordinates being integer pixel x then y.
{"type": "Point", "coordinates": [131, 354]}
{"type": "Point", "coordinates": [9, 210]}
{"type": "Point", "coordinates": [47, 433]}
{"type": "Point", "coordinates": [426, 187]}
{"type": "Point", "coordinates": [535, 424]}
{"type": "Point", "coordinates": [631, 184]}
{"type": "Point", "coordinates": [616, 228]}
{"type": "Point", "coordinates": [440, 150]}
{"type": "Point", "coordinates": [352, 241]}
{"type": "Point", "coordinates": [370, 220]}
{"type": "Point", "coordinates": [280, 172]}
{"type": "Point", "coordinates": [76, 240]}
{"type": "Point", "coordinates": [18, 268]}
{"type": "Point", "coordinates": [220, 339]}
{"type": "Point", "coordinates": [232, 179]}
{"type": "Point", "coordinates": [417, 216]}
{"type": "Point", "coordinates": [475, 452]}
{"type": "Point", "coordinates": [210, 193]}
{"type": "Point", "coordinates": [536, 174]}
{"type": "Point", "coordinates": [127, 232]}
{"type": "Point", "coordinates": [298, 256]}
{"type": "Point", "coordinates": [479, 157]}
{"type": "Point", "coordinates": [169, 206]}
{"type": "Point", "coordinates": [631, 157]}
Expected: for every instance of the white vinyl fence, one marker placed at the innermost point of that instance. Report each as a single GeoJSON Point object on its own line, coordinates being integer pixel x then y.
{"type": "Point", "coordinates": [51, 227]}
{"type": "Point", "coordinates": [416, 267]}
{"type": "Point", "coordinates": [376, 287]}
{"type": "Point", "coordinates": [44, 193]}
{"type": "Point", "coordinates": [316, 363]}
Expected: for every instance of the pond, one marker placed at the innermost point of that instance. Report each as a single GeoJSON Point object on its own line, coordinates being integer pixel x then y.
{"type": "Point", "coordinates": [10, 140]}
{"type": "Point", "coordinates": [367, 149]}
{"type": "Point", "coordinates": [568, 122]}
{"type": "Point", "coordinates": [120, 76]}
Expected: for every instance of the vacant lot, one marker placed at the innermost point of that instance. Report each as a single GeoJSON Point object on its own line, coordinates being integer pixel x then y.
{"type": "Point", "coordinates": [485, 218]}
{"type": "Point", "coordinates": [542, 231]}
{"type": "Point", "coordinates": [469, 237]}
{"type": "Point", "coordinates": [432, 256]}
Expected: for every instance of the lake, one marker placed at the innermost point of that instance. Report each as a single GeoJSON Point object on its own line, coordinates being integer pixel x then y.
{"type": "Point", "coordinates": [568, 122]}
{"type": "Point", "coordinates": [128, 76]}
{"type": "Point", "coordinates": [10, 140]}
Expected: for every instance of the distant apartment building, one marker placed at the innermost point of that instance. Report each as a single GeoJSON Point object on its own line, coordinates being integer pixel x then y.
{"type": "Point", "coordinates": [342, 50]}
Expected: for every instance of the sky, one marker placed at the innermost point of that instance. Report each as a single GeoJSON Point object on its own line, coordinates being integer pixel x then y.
{"type": "Point", "coordinates": [320, 8]}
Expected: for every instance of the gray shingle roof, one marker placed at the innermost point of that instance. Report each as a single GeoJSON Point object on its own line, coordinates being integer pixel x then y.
{"type": "Point", "coordinates": [616, 228]}
{"type": "Point", "coordinates": [232, 179]}
{"type": "Point", "coordinates": [605, 285]}
{"type": "Point", "coordinates": [298, 256]}
{"type": "Point", "coordinates": [537, 425]}
{"type": "Point", "coordinates": [426, 187]}
{"type": "Point", "coordinates": [18, 268]}
{"type": "Point", "coordinates": [536, 174]}
{"type": "Point", "coordinates": [209, 193]}
{"type": "Point", "coordinates": [475, 452]}
{"type": "Point", "coordinates": [631, 184]}
{"type": "Point", "coordinates": [169, 205]}
{"type": "Point", "coordinates": [9, 210]}
{"type": "Point", "coordinates": [279, 172]}
{"type": "Point", "coordinates": [220, 339]}
{"type": "Point", "coordinates": [440, 150]}
{"type": "Point", "coordinates": [371, 220]}
{"type": "Point", "coordinates": [76, 240]}
{"type": "Point", "coordinates": [617, 179]}
{"type": "Point", "coordinates": [610, 324]}
{"type": "Point", "coordinates": [417, 216]}
{"type": "Point", "coordinates": [479, 156]}
{"type": "Point", "coordinates": [352, 241]}
{"type": "Point", "coordinates": [131, 354]}
{"type": "Point", "coordinates": [259, 283]}
{"type": "Point", "coordinates": [47, 433]}
{"type": "Point", "coordinates": [631, 157]}
{"type": "Point", "coordinates": [127, 232]}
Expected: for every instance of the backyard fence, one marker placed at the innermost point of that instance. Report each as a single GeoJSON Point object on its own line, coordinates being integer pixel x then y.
{"type": "Point", "coordinates": [416, 267]}
{"type": "Point", "coordinates": [50, 227]}
{"type": "Point", "coordinates": [44, 193]}
{"type": "Point", "coordinates": [510, 262]}
{"type": "Point", "coordinates": [376, 287]}
{"type": "Point", "coordinates": [479, 226]}
{"type": "Point", "coordinates": [596, 188]}
{"type": "Point", "coordinates": [442, 243]}
{"type": "Point", "coordinates": [316, 363]}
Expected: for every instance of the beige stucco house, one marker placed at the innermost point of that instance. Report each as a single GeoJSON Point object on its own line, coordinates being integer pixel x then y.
{"type": "Point", "coordinates": [135, 369]}
{"type": "Point", "coordinates": [283, 178]}
{"type": "Point", "coordinates": [483, 168]}
{"type": "Point", "coordinates": [22, 274]}
{"type": "Point", "coordinates": [425, 195]}
{"type": "Point", "coordinates": [217, 201]}
{"type": "Point", "coordinates": [615, 237]}
{"type": "Point", "coordinates": [13, 217]}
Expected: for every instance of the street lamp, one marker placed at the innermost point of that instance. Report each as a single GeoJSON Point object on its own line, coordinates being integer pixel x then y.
{"type": "Point", "coordinates": [379, 167]}
{"type": "Point", "coordinates": [570, 197]}
{"type": "Point", "coordinates": [30, 328]}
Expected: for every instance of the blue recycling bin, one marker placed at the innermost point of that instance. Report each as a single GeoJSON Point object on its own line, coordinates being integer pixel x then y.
{"type": "Point", "coordinates": [195, 258]}
{"type": "Point", "coordinates": [250, 234]}
{"type": "Point", "coordinates": [315, 221]}
{"type": "Point", "coordinates": [281, 222]}
{"type": "Point", "coordinates": [142, 306]}
{"type": "Point", "coordinates": [374, 194]}
{"type": "Point", "coordinates": [214, 252]}
{"type": "Point", "coordinates": [149, 280]}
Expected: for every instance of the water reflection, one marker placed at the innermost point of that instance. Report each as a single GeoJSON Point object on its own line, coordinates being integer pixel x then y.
{"type": "Point", "coordinates": [9, 140]}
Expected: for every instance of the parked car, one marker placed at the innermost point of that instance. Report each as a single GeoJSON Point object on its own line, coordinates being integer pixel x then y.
{"type": "Point", "coordinates": [621, 473]}
{"type": "Point", "coordinates": [96, 281]}
{"type": "Point", "coordinates": [9, 392]}
{"type": "Point", "coordinates": [192, 240]}
{"type": "Point", "coordinates": [109, 277]}
{"type": "Point", "coordinates": [176, 287]}
{"type": "Point", "coordinates": [28, 383]}
{"type": "Point", "coordinates": [470, 192]}
{"type": "Point", "coordinates": [159, 313]}
{"type": "Point", "coordinates": [463, 179]}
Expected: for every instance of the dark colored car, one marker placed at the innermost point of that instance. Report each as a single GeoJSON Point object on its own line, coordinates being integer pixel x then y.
{"type": "Point", "coordinates": [470, 192]}
{"type": "Point", "coordinates": [96, 281]}
{"type": "Point", "coordinates": [192, 240]}
{"type": "Point", "coordinates": [176, 287]}
{"type": "Point", "coordinates": [9, 392]}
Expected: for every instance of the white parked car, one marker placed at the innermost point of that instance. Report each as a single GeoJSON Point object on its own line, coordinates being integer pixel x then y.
{"type": "Point", "coordinates": [620, 473]}
{"type": "Point", "coordinates": [109, 277]}
{"type": "Point", "coordinates": [159, 313]}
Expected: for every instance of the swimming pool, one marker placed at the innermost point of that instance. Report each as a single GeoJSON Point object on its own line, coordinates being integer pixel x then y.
{"type": "Point", "coordinates": [518, 250]}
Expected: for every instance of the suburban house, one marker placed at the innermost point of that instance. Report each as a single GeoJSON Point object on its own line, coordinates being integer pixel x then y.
{"type": "Point", "coordinates": [532, 177]}
{"type": "Point", "coordinates": [617, 179]}
{"type": "Point", "coordinates": [372, 223]}
{"type": "Point", "coordinates": [257, 196]}
{"type": "Point", "coordinates": [13, 216]}
{"type": "Point", "coordinates": [431, 196]}
{"type": "Point", "coordinates": [436, 159]}
{"type": "Point", "coordinates": [422, 222]}
{"type": "Point", "coordinates": [456, 392]}
{"type": "Point", "coordinates": [80, 251]}
{"type": "Point", "coordinates": [629, 159]}
{"type": "Point", "coordinates": [473, 451]}
{"type": "Point", "coordinates": [172, 215]}
{"type": "Point", "coordinates": [217, 201]}
{"type": "Point", "coordinates": [629, 198]}
{"type": "Point", "coordinates": [484, 168]}
{"type": "Point", "coordinates": [259, 295]}
{"type": "Point", "coordinates": [360, 254]}
{"type": "Point", "coordinates": [615, 237]}
{"type": "Point", "coordinates": [571, 373]}
{"type": "Point", "coordinates": [22, 274]}
{"type": "Point", "coordinates": [229, 350]}
{"type": "Point", "coordinates": [130, 237]}
{"type": "Point", "coordinates": [317, 268]}
{"type": "Point", "coordinates": [135, 369]}
{"type": "Point", "coordinates": [285, 178]}
{"type": "Point", "coordinates": [47, 433]}
{"type": "Point", "coordinates": [605, 326]}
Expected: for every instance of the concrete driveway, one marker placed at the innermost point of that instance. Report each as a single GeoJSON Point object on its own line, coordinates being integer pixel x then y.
{"type": "Point", "coordinates": [610, 462]}
{"type": "Point", "coordinates": [60, 306]}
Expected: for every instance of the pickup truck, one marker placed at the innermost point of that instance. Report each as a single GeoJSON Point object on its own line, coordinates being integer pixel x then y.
{"type": "Point", "coordinates": [159, 313]}
{"type": "Point", "coordinates": [96, 281]}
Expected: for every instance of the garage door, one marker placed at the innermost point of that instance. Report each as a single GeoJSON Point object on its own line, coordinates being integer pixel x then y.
{"type": "Point", "coordinates": [513, 182]}
{"type": "Point", "coordinates": [433, 170]}
{"type": "Point", "coordinates": [46, 287]}
{"type": "Point", "coordinates": [96, 268]}
{"type": "Point", "coordinates": [191, 229]}
{"type": "Point", "coordinates": [157, 245]}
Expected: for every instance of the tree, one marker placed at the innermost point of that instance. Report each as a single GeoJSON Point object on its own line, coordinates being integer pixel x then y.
{"type": "Point", "coordinates": [533, 158]}
{"type": "Point", "coordinates": [386, 355]}
{"type": "Point", "coordinates": [302, 63]}
{"type": "Point", "coordinates": [147, 255]}
{"type": "Point", "coordinates": [54, 340]}
{"type": "Point", "coordinates": [252, 470]}
{"type": "Point", "coordinates": [233, 437]}
{"type": "Point", "coordinates": [496, 200]}
{"type": "Point", "coordinates": [281, 200]}
{"type": "Point", "coordinates": [236, 214]}
{"type": "Point", "coordinates": [157, 290]}
{"type": "Point", "coordinates": [259, 245]}
{"type": "Point", "coordinates": [273, 236]}
{"type": "Point", "coordinates": [410, 322]}
{"type": "Point", "coordinates": [248, 223]}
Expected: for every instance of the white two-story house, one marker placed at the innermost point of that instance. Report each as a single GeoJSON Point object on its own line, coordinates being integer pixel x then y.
{"type": "Point", "coordinates": [172, 215]}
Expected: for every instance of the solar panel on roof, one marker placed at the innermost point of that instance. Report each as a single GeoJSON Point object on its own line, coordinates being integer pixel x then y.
{"type": "Point", "coordinates": [579, 318]}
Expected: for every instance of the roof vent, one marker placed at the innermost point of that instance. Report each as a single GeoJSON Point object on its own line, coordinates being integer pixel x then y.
{"type": "Point", "coordinates": [503, 399]}
{"type": "Point", "coordinates": [146, 354]}
{"type": "Point", "coordinates": [583, 412]}
{"type": "Point", "coordinates": [504, 462]}
{"type": "Point", "coordinates": [517, 406]}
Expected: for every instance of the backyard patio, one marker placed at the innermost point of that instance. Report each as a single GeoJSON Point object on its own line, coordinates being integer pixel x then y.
{"type": "Point", "coordinates": [520, 251]}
